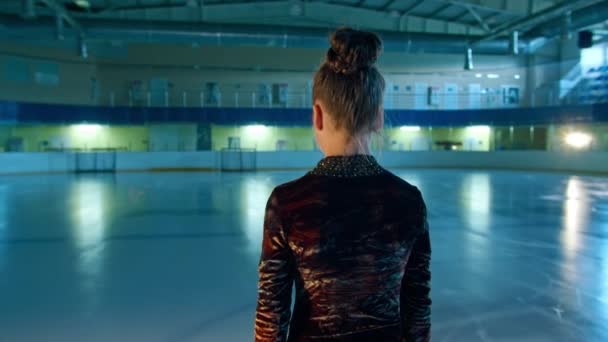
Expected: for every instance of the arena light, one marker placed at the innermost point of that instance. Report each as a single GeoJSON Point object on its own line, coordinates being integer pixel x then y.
{"type": "Point", "coordinates": [578, 140]}
{"type": "Point", "coordinates": [516, 77]}
{"type": "Point", "coordinates": [493, 76]}
{"type": "Point", "coordinates": [255, 129]}
{"type": "Point", "coordinates": [479, 129]}
{"type": "Point", "coordinates": [82, 3]}
{"type": "Point", "coordinates": [468, 59]}
{"type": "Point", "coordinates": [410, 128]}
{"type": "Point", "coordinates": [479, 75]}
{"type": "Point", "coordinates": [86, 128]}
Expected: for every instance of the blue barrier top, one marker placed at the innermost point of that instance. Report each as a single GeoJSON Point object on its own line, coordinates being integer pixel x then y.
{"type": "Point", "coordinates": [20, 112]}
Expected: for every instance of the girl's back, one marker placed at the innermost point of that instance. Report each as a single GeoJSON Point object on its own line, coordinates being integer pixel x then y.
{"type": "Point", "coordinates": [351, 236]}
{"type": "Point", "coordinates": [344, 235]}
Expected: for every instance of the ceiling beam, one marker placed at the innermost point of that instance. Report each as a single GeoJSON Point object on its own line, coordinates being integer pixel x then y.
{"type": "Point", "coordinates": [137, 7]}
{"type": "Point", "coordinates": [63, 13]}
{"type": "Point", "coordinates": [411, 8]}
{"type": "Point", "coordinates": [478, 7]}
{"type": "Point", "coordinates": [491, 16]}
{"type": "Point", "coordinates": [465, 12]}
{"type": "Point", "coordinates": [314, 13]}
{"type": "Point", "coordinates": [479, 19]}
{"type": "Point", "coordinates": [178, 4]}
{"type": "Point", "coordinates": [279, 36]}
{"type": "Point", "coordinates": [386, 5]}
{"type": "Point", "coordinates": [459, 16]}
{"type": "Point", "coordinates": [439, 10]}
{"type": "Point", "coordinates": [527, 23]}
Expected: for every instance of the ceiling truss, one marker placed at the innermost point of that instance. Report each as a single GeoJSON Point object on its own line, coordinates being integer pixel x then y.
{"type": "Point", "coordinates": [482, 19]}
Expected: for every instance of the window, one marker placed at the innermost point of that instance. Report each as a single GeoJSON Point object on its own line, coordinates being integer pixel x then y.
{"type": "Point", "coordinates": [593, 57]}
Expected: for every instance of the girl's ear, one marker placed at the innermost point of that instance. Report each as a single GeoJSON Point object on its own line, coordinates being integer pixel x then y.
{"type": "Point", "coordinates": [317, 117]}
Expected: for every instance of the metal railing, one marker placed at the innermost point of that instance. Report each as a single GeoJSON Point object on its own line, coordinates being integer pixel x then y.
{"type": "Point", "coordinates": [243, 99]}
{"type": "Point", "coordinates": [490, 98]}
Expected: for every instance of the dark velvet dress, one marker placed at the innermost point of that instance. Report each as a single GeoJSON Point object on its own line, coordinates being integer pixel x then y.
{"type": "Point", "coordinates": [354, 240]}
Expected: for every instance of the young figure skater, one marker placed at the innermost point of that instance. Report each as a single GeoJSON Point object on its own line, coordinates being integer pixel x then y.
{"type": "Point", "coordinates": [352, 236]}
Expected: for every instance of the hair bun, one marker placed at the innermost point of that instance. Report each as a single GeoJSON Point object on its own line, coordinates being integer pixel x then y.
{"type": "Point", "coordinates": [353, 50]}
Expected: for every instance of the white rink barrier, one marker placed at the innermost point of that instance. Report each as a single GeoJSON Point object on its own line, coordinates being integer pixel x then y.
{"type": "Point", "coordinates": [57, 162]}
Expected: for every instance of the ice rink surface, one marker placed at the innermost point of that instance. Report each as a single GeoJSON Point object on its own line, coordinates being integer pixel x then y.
{"type": "Point", "coordinates": [517, 256]}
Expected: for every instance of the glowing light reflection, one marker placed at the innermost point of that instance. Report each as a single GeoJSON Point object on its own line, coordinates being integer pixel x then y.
{"type": "Point", "coordinates": [575, 218]}
{"type": "Point", "coordinates": [478, 201]}
{"type": "Point", "coordinates": [576, 212]}
{"type": "Point", "coordinates": [604, 289]}
{"type": "Point", "coordinates": [255, 194]}
{"type": "Point", "coordinates": [477, 196]}
{"type": "Point", "coordinates": [3, 221]}
{"type": "Point", "coordinates": [89, 215]}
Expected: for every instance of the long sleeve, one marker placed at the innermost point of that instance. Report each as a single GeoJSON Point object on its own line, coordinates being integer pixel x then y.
{"type": "Point", "coordinates": [416, 288]}
{"type": "Point", "coordinates": [275, 280]}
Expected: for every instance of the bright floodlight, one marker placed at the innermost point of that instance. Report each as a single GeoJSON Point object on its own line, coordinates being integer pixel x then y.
{"type": "Point", "coordinates": [410, 128]}
{"type": "Point", "coordinates": [468, 59]}
{"type": "Point", "coordinates": [86, 129]}
{"type": "Point", "coordinates": [256, 129]}
{"type": "Point", "coordinates": [578, 139]}
{"type": "Point", "coordinates": [480, 129]}
{"type": "Point", "coordinates": [82, 3]}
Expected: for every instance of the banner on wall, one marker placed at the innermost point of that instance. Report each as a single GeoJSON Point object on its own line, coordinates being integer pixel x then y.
{"type": "Point", "coordinates": [510, 95]}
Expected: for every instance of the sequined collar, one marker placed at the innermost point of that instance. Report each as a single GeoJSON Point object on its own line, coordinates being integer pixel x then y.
{"type": "Point", "coordinates": [348, 166]}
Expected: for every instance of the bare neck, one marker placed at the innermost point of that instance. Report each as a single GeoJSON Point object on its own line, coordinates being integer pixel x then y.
{"type": "Point", "coordinates": [348, 146]}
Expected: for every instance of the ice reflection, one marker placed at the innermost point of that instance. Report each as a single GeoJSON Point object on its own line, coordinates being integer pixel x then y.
{"type": "Point", "coordinates": [604, 287]}
{"type": "Point", "coordinates": [3, 222]}
{"type": "Point", "coordinates": [89, 217]}
{"type": "Point", "coordinates": [574, 267]}
{"type": "Point", "coordinates": [478, 200]}
{"type": "Point", "coordinates": [576, 215]}
{"type": "Point", "coordinates": [477, 197]}
{"type": "Point", "coordinates": [255, 192]}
